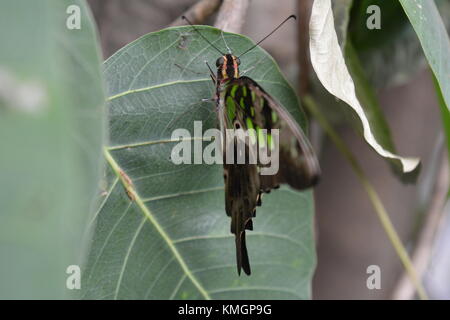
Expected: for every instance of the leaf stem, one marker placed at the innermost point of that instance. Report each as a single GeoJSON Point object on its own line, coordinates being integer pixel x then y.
{"type": "Point", "coordinates": [388, 227]}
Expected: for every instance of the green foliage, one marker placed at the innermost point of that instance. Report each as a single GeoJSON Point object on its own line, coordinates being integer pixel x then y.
{"type": "Point", "coordinates": [426, 21]}
{"type": "Point", "coordinates": [51, 123]}
{"type": "Point", "coordinates": [173, 241]}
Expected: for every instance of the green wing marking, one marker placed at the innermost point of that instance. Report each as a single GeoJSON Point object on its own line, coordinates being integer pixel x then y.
{"type": "Point", "coordinates": [244, 184]}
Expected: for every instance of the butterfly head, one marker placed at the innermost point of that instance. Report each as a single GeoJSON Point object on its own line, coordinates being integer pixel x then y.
{"type": "Point", "coordinates": [227, 67]}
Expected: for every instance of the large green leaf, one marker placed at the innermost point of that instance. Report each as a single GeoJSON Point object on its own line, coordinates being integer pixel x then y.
{"type": "Point", "coordinates": [51, 100]}
{"type": "Point", "coordinates": [173, 240]}
{"type": "Point", "coordinates": [424, 17]}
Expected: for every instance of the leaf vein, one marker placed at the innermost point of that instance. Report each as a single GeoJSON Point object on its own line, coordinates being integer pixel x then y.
{"type": "Point", "coordinates": [180, 194]}
{"type": "Point", "coordinates": [166, 84]}
{"type": "Point", "coordinates": [125, 261]}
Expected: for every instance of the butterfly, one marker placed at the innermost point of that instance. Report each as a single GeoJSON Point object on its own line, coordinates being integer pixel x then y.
{"type": "Point", "coordinates": [243, 104]}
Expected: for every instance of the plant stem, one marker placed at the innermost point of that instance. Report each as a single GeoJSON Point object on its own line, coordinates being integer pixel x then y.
{"type": "Point", "coordinates": [388, 227]}
{"type": "Point", "coordinates": [303, 13]}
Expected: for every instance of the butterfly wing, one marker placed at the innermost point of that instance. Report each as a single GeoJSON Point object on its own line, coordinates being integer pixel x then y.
{"type": "Point", "coordinates": [298, 165]}
{"type": "Point", "coordinates": [241, 185]}
{"type": "Point", "coordinates": [245, 105]}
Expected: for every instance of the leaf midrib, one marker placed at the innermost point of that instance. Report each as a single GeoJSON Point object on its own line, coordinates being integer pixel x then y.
{"type": "Point", "coordinates": [148, 214]}
{"type": "Point", "coordinates": [170, 83]}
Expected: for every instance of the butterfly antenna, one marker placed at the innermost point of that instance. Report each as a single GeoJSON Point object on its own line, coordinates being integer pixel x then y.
{"type": "Point", "coordinates": [279, 26]}
{"type": "Point", "coordinates": [224, 41]}
{"type": "Point", "coordinates": [190, 23]}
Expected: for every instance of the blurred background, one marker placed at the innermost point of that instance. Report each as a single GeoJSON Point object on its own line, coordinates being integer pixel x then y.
{"type": "Point", "coordinates": [349, 234]}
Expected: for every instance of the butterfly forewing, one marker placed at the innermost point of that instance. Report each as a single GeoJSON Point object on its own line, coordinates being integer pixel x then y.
{"type": "Point", "coordinates": [243, 104]}
{"type": "Point", "coordinates": [255, 108]}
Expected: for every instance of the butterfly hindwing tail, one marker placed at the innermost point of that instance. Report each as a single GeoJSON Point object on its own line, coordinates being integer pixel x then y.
{"type": "Point", "coordinates": [241, 198]}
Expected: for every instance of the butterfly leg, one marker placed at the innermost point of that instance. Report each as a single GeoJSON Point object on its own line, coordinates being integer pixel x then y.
{"type": "Point", "coordinates": [214, 79]}
{"type": "Point", "coordinates": [211, 73]}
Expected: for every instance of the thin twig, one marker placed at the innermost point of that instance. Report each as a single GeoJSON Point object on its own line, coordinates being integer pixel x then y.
{"type": "Point", "coordinates": [422, 253]}
{"type": "Point", "coordinates": [383, 216]}
{"type": "Point", "coordinates": [199, 12]}
{"type": "Point", "coordinates": [231, 15]}
{"type": "Point", "coordinates": [303, 12]}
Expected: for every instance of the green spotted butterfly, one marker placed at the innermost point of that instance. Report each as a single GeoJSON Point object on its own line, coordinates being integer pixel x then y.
{"type": "Point", "coordinates": [243, 104]}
